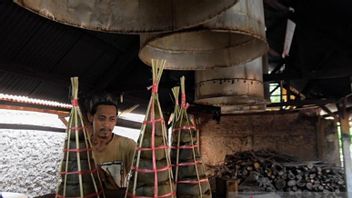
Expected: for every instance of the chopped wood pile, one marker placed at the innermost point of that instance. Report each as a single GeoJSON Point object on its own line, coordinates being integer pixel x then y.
{"type": "Point", "coordinates": [272, 171]}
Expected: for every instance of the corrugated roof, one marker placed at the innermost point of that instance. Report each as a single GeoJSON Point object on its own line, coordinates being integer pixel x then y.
{"type": "Point", "coordinates": [28, 100]}
{"type": "Point", "coordinates": [38, 56]}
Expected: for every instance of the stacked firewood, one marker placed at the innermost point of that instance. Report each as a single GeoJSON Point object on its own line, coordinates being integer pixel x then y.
{"type": "Point", "coordinates": [275, 172]}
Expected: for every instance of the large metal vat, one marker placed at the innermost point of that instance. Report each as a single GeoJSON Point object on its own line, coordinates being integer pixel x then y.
{"type": "Point", "coordinates": [235, 89]}
{"type": "Point", "coordinates": [129, 16]}
{"type": "Point", "coordinates": [234, 37]}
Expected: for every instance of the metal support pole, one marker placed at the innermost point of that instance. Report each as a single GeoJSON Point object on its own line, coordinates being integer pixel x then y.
{"type": "Point", "coordinates": [288, 90]}
{"type": "Point", "coordinates": [346, 144]}
{"type": "Point", "coordinates": [281, 95]}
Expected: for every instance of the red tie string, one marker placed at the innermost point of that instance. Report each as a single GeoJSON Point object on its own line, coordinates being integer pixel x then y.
{"type": "Point", "coordinates": [185, 147]}
{"type": "Point", "coordinates": [192, 181]}
{"type": "Point", "coordinates": [155, 168]}
{"type": "Point", "coordinates": [74, 102]}
{"type": "Point", "coordinates": [83, 172]}
{"type": "Point", "coordinates": [184, 105]}
{"type": "Point", "coordinates": [184, 128]}
{"type": "Point", "coordinates": [148, 170]}
{"type": "Point", "coordinates": [170, 194]}
{"type": "Point", "coordinates": [155, 88]}
{"type": "Point", "coordinates": [153, 121]}
{"type": "Point", "coordinates": [151, 149]}
{"type": "Point", "coordinates": [76, 128]}
{"type": "Point", "coordinates": [95, 194]}
{"type": "Point", "coordinates": [189, 163]}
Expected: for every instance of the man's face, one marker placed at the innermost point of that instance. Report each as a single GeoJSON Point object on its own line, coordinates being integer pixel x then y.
{"type": "Point", "coordinates": [104, 121]}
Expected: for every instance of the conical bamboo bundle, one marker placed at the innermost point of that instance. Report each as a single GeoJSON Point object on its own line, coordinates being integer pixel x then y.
{"type": "Point", "coordinates": [188, 169]}
{"type": "Point", "coordinates": [151, 170]}
{"type": "Point", "coordinates": [79, 174]}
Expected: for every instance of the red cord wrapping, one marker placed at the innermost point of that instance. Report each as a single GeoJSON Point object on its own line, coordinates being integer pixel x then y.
{"type": "Point", "coordinates": [83, 172]}
{"type": "Point", "coordinates": [192, 181]}
{"type": "Point", "coordinates": [80, 128]}
{"type": "Point", "coordinates": [154, 170]}
{"type": "Point", "coordinates": [184, 128]}
{"type": "Point", "coordinates": [74, 102]}
{"type": "Point", "coordinates": [150, 149]}
{"type": "Point", "coordinates": [185, 146]}
{"type": "Point", "coordinates": [87, 196]}
{"type": "Point", "coordinates": [156, 187]}
{"type": "Point", "coordinates": [183, 99]}
{"type": "Point", "coordinates": [189, 163]}
{"type": "Point", "coordinates": [185, 106]}
{"type": "Point", "coordinates": [147, 170]}
{"type": "Point", "coordinates": [161, 196]}
{"type": "Point", "coordinates": [155, 88]}
{"type": "Point", "coordinates": [153, 121]}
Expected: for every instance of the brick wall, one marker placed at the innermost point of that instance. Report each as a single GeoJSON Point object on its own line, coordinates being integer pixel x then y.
{"type": "Point", "coordinates": [304, 136]}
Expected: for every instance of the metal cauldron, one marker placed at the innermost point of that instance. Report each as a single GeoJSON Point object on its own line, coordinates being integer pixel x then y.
{"type": "Point", "coordinates": [235, 89]}
{"type": "Point", "coordinates": [234, 37]}
{"type": "Point", "coordinates": [129, 16]}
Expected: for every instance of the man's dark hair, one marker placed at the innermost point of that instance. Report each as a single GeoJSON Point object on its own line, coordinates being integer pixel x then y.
{"type": "Point", "coordinates": [102, 98]}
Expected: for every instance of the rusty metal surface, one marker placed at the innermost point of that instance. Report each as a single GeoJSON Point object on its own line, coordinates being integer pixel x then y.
{"type": "Point", "coordinates": [235, 89]}
{"type": "Point", "coordinates": [232, 38]}
{"type": "Point", "coordinates": [129, 16]}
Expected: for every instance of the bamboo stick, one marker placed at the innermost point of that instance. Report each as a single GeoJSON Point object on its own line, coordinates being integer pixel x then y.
{"type": "Point", "coordinates": [80, 145]}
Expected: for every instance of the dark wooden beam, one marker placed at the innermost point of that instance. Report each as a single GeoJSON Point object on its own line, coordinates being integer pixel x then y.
{"type": "Point", "coordinates": [31, 127]}
{"type": "Point", "coordinates": [11, 105]}
{"type": "Point", "coordinates": [329, 113]}
{"type": "Point", "coordinates": [277, 68]}
{"type": "Point", "coordinates": [120, 122]}
{"type": "Point", "coordinates": [281, 76]}
{"type": "Point", "coordinates": [272, 91]}
{"type": "Point", "coordinates": [63, 120]}
{"type": "Point", "coordinates": [297, 76]}
{"type": "Point", "coordinates": [128, 124]}
{"type": "Point", "coordinates": [331, 73]}
{"type": "Point", "coordinates": [59, 111]}
{"type": "Point", "coordinates": [302, 102]}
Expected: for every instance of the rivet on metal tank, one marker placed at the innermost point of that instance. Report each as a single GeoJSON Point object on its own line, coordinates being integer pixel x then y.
{"type": "Point", "coordinates": [129, 16]}
{"type": "Point", "coordinates": [241, 89]}
{"type": "Point", "coordinates": [234, 37]}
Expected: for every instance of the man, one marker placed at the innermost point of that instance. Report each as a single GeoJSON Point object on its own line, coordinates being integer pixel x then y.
{"type": "Point", "coordinates": [108, 147]}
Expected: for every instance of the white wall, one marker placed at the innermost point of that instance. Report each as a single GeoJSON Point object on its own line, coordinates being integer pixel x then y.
{"type": "Point", "coordinates": [29, 161]}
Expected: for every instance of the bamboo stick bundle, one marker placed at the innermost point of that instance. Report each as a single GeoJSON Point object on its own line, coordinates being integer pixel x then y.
{"type": "Point", "coordinates": [189, 172]}
{"type": "Point", "coordinates": [151, 169]}
{"type": "Point", "coordinates": [79, 175]}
